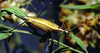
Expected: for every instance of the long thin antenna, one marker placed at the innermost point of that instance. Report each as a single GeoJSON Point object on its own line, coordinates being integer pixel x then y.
{"type": "Point", "coordinates": [51, 43]}
{"type": "Point", "coordinates": [62, 24]}
{"type": "Point", "coordinates": [66, 26]}
{"type": "Point", "coordinates": [76, 27]}
{"type": "Point", "coordinates": [50, 12]}
{"type": "Point", "coordinates": [42, 10]}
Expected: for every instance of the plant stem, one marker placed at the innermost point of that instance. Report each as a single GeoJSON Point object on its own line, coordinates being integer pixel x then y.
{"type": "Point", "coordinates": [61, 44]}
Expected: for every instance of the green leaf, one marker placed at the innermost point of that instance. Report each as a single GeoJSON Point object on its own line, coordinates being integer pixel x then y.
{"type": "Point", "coordinates": [79, 42]}
{"type": "Point", "coordinates": [63, 49]}
{"type": "Point", "coordinates": [80, 7]}
{"type": "Point", "coordinates": [16, 11]}
{"type": "Point", "coordinates": [4, 35]}
{"type": "Point", "coordinates": [4, 32]}
{"type": "Point", "coordinates": [4, 13]}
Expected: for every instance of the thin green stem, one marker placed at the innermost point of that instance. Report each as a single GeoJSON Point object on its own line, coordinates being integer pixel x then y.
{"type": "Point", "coordinates": [20, 31]}
{"type": "Point", "coordinates": [61, 44]}
{"type": "Point", "coordinates": [63, 2]}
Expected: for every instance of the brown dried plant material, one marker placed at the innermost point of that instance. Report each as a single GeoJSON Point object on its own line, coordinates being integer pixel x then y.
{"type": "Point", "coordinates": [84, 29]}
{"type": "Point", "coordinates": [12, 18]}
{"type": "Point", "coordinates": [70, 4]}
{"type": "Point", "coordinates": [92, 22]}
{"type": "Point", "coordinates": [72, 41]}
{"type": "Point", "coordinates": [95, 34]}
{"type": "Point", "coordinates": [86, 42]}
{"type": "Point", "coordinates": [4, 4]}
{"type": "Point", "coordinates": [0, 0]}
{"type": "Point", "coordinates": [67, 37]}
{"type": "Point", "coordinates": [69, 51]}
{"type": "Point", "coordinates": [66, 12]}
{"type": "Point", "coordinates": [88, 36]}
{"type": "Point", "coordinates": [75, 20]}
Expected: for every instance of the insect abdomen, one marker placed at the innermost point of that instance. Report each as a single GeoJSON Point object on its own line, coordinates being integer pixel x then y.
{"type": "Point", "coordinates": [43, 24]}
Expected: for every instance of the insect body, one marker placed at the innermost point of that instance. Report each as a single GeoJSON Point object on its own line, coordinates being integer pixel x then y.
{"type": "Point", "coordinates": [44, 25]}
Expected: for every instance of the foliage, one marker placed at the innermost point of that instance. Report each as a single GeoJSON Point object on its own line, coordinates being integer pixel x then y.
{"type": "Point", "coordinates": [68, 14]}
{"type": "Point", "coordinates": [82, 18]}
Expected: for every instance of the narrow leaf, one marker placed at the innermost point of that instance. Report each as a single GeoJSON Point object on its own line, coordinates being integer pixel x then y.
{"type": "Point", "coordinates": [14, 10]}
{"type": "Point", "coordinates": [63, 49]}
{"type": "Point", "coordinates": [79, 42]}
{"type": "Point", "coordinates": [4, 35]}
{"type": "Point", "coordinates": [4, 13]}
{"type": "Point", "coordinates": [80, 7]}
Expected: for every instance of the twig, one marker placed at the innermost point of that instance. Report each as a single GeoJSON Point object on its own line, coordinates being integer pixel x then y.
{"type": "Point", "coordinates": [20, 31]}
{"type": "Point", "coordinates": [61, 44]}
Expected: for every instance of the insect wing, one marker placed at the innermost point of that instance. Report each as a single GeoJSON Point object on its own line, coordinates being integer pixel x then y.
{"type": "Point", "coordinates": [44, 24]}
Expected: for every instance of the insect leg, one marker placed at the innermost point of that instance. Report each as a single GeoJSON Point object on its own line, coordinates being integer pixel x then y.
{"type": "Point", "coordinates": [45, 37]}
{"type": "Point", "coordinates": [62, 24]}
{"type": "Point", "coordinates": [50, 46]}
{"type": "Point", "coordinates": [59, 37]}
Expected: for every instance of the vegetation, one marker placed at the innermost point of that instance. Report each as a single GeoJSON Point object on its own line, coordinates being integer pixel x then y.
{"type": "Point", "coordinates": [80, 22]}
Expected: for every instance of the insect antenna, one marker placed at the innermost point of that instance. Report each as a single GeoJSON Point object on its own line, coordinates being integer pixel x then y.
{"type": "Point", "coordinates": [50, 12]}
{"type": "Point", "coordinates": [43, 10]}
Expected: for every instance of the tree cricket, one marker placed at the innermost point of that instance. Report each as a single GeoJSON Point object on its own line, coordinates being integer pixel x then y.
{"type": "Point", "coordinates": [38, 23]}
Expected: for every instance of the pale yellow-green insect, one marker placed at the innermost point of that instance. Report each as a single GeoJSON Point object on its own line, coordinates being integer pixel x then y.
{"type": "Point", "coordinates": [44, 25]}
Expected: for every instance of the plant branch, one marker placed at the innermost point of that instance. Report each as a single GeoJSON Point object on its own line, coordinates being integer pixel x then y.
{"type": "Point", "coordinates": [61, 44]}
{"type": "Point", "coordinates": [20, 31]}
